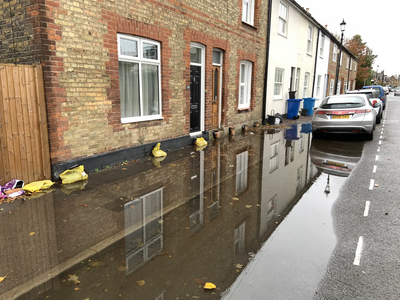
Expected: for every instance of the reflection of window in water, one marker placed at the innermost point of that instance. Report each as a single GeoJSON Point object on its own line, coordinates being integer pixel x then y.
{"type": "Point", "coordinates": [273, 158]}
{"type": "Point", "coordinates": [196, 214]}
{"type": "Point", "coordinates": [240, 239]}
{"type": "Point", "coordinates": [289, 152]}
{"type": "Point", "coordinates": [301, 142]}
{"type": "Point", "coordinates": [299, 178]}
{"type": "Point", "coordinates": [271, 208]}
{"type": "Point", "coordinates": [241, 172]}
{"type": "Point", "coordinates": [214, 207]}
{"type": "Point", "coordinates": [143, 228]}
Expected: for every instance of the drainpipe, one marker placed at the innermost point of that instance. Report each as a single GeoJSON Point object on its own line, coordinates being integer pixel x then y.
{"type": "Point", "coordinates": [264, 115]}
{"type": "Point", "coordinates": [348, 74]}
{"type": "Point", "coordinates": [315, 65]}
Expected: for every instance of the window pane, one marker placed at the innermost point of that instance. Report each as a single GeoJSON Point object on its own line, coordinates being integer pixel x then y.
{"type": "Point", "coordinates": [245, 10]}
{"type": "Point", "coordinates": [150, 51]}
{"type": "Point", "coordinates": [128, 47]}
{"type": "Point", "coordinates": [241, 96]}
{"type": "Point", "coordinates": [195, 55]}
{"type": "Point", "coordinates": [216, 57]}
{"type": "Point", "coordinates": [242, 73]}
{"type": "Point", "coordinates": [129, 89]}
{"type": "Point", "coordinates": [150, 89]}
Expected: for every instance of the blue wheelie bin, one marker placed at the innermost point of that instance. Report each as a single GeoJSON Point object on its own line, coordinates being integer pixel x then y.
{"type": "Point", "coordinates": [309, 105]}
{"type": "Point", "coordinates": [293, 107]}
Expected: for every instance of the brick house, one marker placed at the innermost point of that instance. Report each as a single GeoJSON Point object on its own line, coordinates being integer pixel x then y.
{"type": "Point", "coordinates": [347, 70]}
{"type": "Point", "coordinates": [121, 76]}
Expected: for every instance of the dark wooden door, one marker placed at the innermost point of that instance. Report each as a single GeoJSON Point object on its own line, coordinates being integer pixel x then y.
{"type": "Point", "coordinates": [195, 98]}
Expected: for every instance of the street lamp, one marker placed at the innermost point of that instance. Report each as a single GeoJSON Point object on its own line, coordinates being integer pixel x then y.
{"type": "Point", "coordinates": [342, 28]}
{"type": "Point", "coordinates": [377, 76]}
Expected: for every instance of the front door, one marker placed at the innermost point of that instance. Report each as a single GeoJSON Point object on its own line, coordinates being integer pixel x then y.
{"type": "Point", "coordinates": [195, 98]}
{"type": "Point", "coordinates": [215, 96]}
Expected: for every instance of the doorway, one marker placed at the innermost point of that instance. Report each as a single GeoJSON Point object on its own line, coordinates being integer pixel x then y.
{"type": "Point", "coordinates": [197, 58]}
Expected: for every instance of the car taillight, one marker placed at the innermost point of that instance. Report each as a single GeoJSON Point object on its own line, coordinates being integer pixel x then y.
{"type": "Point", "coordinates": [363, 111]}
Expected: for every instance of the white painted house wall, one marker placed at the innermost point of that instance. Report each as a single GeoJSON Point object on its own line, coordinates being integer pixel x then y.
{"type": "Point", "coordinates": [287, 51]}
{"type": "Point", "coordinates": [322, 70]}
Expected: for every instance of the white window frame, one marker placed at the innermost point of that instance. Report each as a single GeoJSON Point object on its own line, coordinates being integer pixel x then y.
{"type": "Point", "coordinates": [334, 55]}
{"type": "Point", "coordinates": [347, 62]}
{"type": "Point", "coordinates": [331, 87]}
{"type": "Point", "coordinates": [319, 85]}
{"type": "Point", "coordinates": [306, 83]}
{"type": "Point", "coordinates": [248, 12]}
{"type": "Point", "coordinates": [309, 40]}
{"type": "Point", "coordinates": [245, 85]}
{"type": "Point", "coordinates": [278, 84]}
{"type": "Point", "coordinates": [140, 60]}
{"type": "Point", "coordinates": [351, 64]}
{"type": "Point", "coordinates": [355, 66]}
{"type": "Point", "coordinates": [322, 46]}
{"type": "Point", "coordinates": [283, 16]}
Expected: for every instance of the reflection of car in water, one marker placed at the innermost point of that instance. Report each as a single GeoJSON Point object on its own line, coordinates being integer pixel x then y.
{"type": "Point", "coordinates": [335, 157]}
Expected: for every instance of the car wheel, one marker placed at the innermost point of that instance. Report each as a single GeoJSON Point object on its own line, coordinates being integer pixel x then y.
{"type": "Point", "coordinates": [370, 136]}
{"type": "Point", "coordinates": [378, 119]}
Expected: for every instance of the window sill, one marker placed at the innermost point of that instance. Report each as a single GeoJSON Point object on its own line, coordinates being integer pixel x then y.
{"type": "Point", "coordinates": [250, 26]}
{"type": "Point", "coordinates": [309, 54]}
{"type": "Point", "coordinates": [243, 108]}
{"type": "Point", "coordinates": [282, 35]}
{"type": "Point", "coordinates": [143, 119]}
{"type": "Point", "coordinates": [277, 98]}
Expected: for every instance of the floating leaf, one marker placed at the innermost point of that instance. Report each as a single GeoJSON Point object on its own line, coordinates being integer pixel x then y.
{"type": "Point", "coordinates": [73, 279]}
{"type": "Point", "coordinates": [239, 266]}
{"type": "Point", "coordinates": [249, 206]}
{"type": "Point", "coordinates": [376, 185]}
{"type": "Point", "coordinates": [140, 282]}
{"type": "Point", "coordinates": [209, 286]}
{"type": "Point", "coordinates": [235, 199]}
{"type": "Point", "coordinates": [2, 278]}
{"type": "Point", "coordinates": [77, 289]}
{"type": "Point", "coordinates": [32, 233]}
{"type": "Point", "coordinates": [199, 281]}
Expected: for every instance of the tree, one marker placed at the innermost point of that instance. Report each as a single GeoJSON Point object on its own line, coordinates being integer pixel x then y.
{"type": "Point", "coordinates": [365, 58]}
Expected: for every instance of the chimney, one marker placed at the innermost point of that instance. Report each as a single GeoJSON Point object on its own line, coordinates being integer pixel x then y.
{"type": "Point", "coordinates": [308, 10]}
{"type": "Point", "coordinates": [326, 26]}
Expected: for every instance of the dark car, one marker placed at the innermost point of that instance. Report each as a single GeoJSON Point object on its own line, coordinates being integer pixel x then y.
{"type": "Point", "coordinates": [381, 93]}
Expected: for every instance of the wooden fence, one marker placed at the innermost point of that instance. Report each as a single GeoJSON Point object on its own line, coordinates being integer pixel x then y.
{"type": "Point", "coordinates": [24, 143]}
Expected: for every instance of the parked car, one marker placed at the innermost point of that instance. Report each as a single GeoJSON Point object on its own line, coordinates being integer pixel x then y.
{"type": "Point", "coordinates": [397, 91]}
{"type": "Point", "coordinates": [386, 89]}
{"type": "Point", "coordinates": [345, 114]}
{"type": "Point", "coordinates": [380, 91]}
{"type": "Point", "coordinates": [373, 98]}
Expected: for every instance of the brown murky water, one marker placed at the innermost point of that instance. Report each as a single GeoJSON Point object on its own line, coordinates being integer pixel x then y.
{"type": "Point", "coordinates": [161, 229]}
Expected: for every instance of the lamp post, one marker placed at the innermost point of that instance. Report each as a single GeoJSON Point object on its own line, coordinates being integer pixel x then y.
{"type": "Point", "coordinates": [377, 76]}
{"type": "Point", "coordinates": [342, 28]}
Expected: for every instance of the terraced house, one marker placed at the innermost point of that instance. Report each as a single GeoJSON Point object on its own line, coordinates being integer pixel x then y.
{"type": "Point", "coordinates": [120, 76]}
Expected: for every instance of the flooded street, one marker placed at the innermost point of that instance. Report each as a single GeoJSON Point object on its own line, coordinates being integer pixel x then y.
{"type": "Point", "coordinates": [249, 213]}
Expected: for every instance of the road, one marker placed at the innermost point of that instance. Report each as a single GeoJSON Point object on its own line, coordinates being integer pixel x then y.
{"type": "Point", "coordinates": [366, 261]}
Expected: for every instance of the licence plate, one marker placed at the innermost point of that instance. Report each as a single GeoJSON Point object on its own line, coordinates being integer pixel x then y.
{"type": "Point", "coordinates": [340, 116]}
{"type": "Point", "coordinates": [334, 163]}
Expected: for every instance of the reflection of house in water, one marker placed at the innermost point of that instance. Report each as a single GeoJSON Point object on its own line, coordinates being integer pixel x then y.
{"type": "Point", "coordinates": [284, 174]}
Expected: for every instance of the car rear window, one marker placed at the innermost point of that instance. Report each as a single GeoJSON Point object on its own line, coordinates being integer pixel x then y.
{"type": "Point", "coordinates": [378, 90]}
{"type": "Point", "coordinates": [343, 102]}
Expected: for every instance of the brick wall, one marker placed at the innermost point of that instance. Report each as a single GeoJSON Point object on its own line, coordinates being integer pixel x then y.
{"type": "Point", "coordinates": [82, 80]}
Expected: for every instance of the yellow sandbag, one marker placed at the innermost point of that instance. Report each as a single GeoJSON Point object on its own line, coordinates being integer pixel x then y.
{"type": "Point", "coordinates": [157, 152]}
{"type": "Point", "coordinates": [200, 142]}
{"type": "Point", "coordinates": [73, 175]}
{"type": "Point", "coordinates": [37, 186]}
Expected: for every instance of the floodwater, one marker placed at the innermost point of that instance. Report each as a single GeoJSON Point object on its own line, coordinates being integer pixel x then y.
{"type": "Point", "coordinates": [250, 213]}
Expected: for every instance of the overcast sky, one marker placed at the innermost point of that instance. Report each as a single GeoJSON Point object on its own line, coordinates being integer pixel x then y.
{"type": "Point", "coordinates": [377, 22]}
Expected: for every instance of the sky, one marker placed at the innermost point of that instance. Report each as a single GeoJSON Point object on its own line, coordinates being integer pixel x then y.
{"type": "Point", "coordinates": [375, 21]}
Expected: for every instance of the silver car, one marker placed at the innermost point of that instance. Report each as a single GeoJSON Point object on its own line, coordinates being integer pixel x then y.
{"type": "Point", "coordinates": [345, 114]}
{"type": "Point", "coordinates": [373, 97]}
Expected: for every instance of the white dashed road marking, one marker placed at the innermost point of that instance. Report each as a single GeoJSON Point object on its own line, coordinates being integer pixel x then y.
{"type": "Point", "coordinates": [357, 258]}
